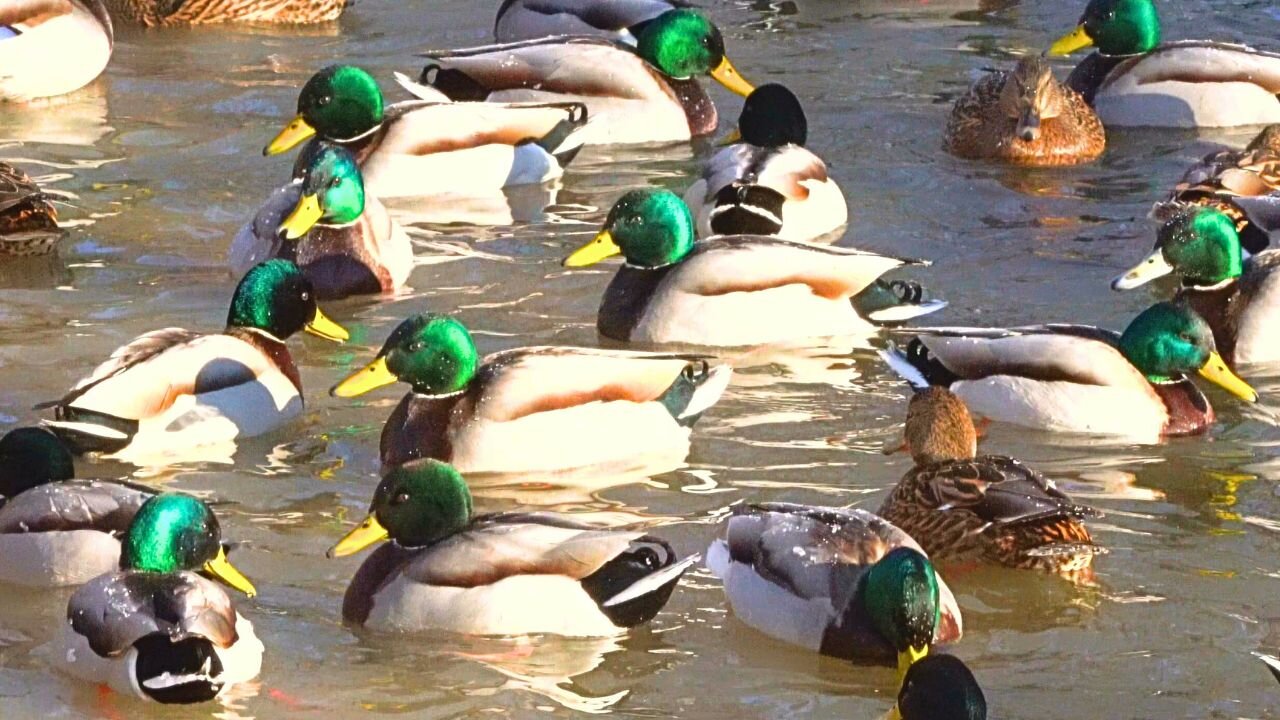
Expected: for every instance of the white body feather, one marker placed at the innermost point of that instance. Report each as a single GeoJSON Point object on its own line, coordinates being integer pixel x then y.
{"type": "Point", "coordinates": [766, 606]}
{"type": "Point", "coordinates": [1257, 337]}
{"type": "Point", "coordinates": [55, 559]}
{"type": "Point", "coordinates": [58, 56]}
{"type": "Point", "coordinates": [1066, 406]}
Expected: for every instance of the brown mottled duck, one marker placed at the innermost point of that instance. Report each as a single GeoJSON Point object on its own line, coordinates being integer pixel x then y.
{"type": "Point", "coordinates": [159, 13]}
{"type": "Point", "coordinates": [28, 220]}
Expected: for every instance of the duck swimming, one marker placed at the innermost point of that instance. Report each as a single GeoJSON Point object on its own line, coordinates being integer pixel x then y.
{"type": "Point", "coordinates": [34, 37]}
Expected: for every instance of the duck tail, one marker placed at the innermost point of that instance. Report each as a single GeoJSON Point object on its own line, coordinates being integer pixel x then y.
{"type": "Point", "coordinates": [568, 136]}
{"type": "Point", "coordinates": [746, 209]}
{"type": "Point", "coordinates": [894, 302]}
{"type": "Point", "coordinates": [420, 91]}
{"type": "Point", "coordinates": [177, 671]}
{"type": "Point", "coordinates": [85, 431]}
{"type": "Point", "coordinates": [697, 388]}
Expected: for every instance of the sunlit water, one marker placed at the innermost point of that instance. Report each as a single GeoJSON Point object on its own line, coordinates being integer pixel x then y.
{"type": "Point", "coordinates": [162, 163]}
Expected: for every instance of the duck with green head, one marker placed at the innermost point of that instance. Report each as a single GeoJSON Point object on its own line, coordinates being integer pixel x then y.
{"type": "Point", "coordinates": [340, 235]}
{"type": "Point", "coordinates": [159, 628]}
{"type": "Point", "coordinates": [445, 568]}
{"type": "Point", "coordinates": [1135, 79]}
{"type": "Point", "coordinates": [567, 409]}
{"type": "Point", "coordinates": [173, 391]}
{"type": "Point", "coordinates": [1080, 378]}
{"type": "Point", "coordinates": [766, 182]}
{"type": "Point", "coordinates": [939, 687]}
{"type": "Point", "coordinates": [734, 290]}
{"type": "Point", "coordinates": [646, 93]}
{"type": "Point", "coordinates": [1238, 298]}
{"type": "Point", "coordinates": [840, 581]}
{"type": "Point", "coordinates": [431, 146]}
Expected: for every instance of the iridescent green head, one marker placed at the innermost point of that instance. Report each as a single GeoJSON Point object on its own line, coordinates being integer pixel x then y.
{"type": "Point", "coordinates": [1200, 244]}
{"type": "Point", "coordinates": [940, 687]}
{"type": "Point", "coordinates": [900, 596]}
{"type": "Point", "coordinates": [417, 504]}
{"type": "Point", "coordinates": [433, 353]}
{"type": "Point", "coordinates": [173, 532]}
{"type": "Point", "coordinates": [339, 103]}
{"type": "Point", "coordinates": [29, 457]}
{"type": "Point", "coordinates": [684, 43]}
{"type": "Point", "coordinates": [276, 298]}
{"type": "Point", "coordinates": [332, 193]}
{"type": "Point", "coordinates": [1116, 27]}
{"type": "Point", "coordinates": [1169, 340]}
{"type": "Point", "coordinates": [651, 228]}
{"type": "Point", "coordinates": [772, 117]}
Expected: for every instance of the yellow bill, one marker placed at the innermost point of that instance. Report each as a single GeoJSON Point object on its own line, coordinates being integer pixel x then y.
{"type": "Point", "coordinates": [362, 536]}
{"type": "Point", "coordinates": [322, 326]}
{"type": "Point", "coordinates": [222, 569]}
{"type": "Point", "coordinates": [909, 657]}
{"type": "Point", "coordinates": [370, 377]}
{"type": "Point", "coordinates": [1151, 267]}
{"type": "Point", "coordinates": [292, 134]}
{"type": "Point", "coordinates": [1217, 372]}
{"type": "Point", "coordinates": [1075, 40]}
{"type": "Point", "coordinates": [728, 76]}
{"type": "Point", "coordinates": [304, 217]}
{"type": "Point", "coordinates": [593, 252]}
{"type": "Point", "coordinates": [735, 136]}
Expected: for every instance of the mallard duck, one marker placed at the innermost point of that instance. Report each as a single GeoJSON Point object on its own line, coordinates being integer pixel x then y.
{"type": "Point", "coordinates": [54, 530]}
{"type": "Point", "coordinates": [161, 13]}
{"type": "Point", "coordinates": [1079, 378]}
{"type": "Point", "coordinates": [342, 237]}
{"type": "Point", "coordinates": [622, 20]}
{"type": "Point", "coordinates": [433, 146]}
{"type": "Point", "coordinates": [648, 93]}
{"type": "Point", "coordinates": [839, 581]}
{"type": "Point", "coordinates": [498, 574]}
{"type": "Point", "coordinates": [173, 389]}
{"type": "Point", "coordinates": [1134, 79]}
{"type": "Point", "coordinates": [961, 506]}
{"type": "Point", "coordinates": [769, 183]}
{"type": "Point", "coordinates": [1024, 117]}
{"type": "Point", "coordinates": [157, 629]}
{"type": "Point", "coordinates": [34, 39]}
{"type": "Point", "coordinates": [939, 687]}
{"type": "Point", "coordinates": [28, 220]}
{"type": "Point", "coordinates": [565, 408]}
{"type": "Point", "coordinates": [1230, 181]}
{"type": "Point", "coordinates": [1237, 298]}
{"type": "Point", "coordinates": [734, 289]}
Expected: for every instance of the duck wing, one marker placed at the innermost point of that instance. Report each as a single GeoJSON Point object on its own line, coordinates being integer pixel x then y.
{"type": "Point", "coordinates": [74, 505]}
{"type": "Point", "coordinates": [425, 128]}
{"type": "Point", "coordinates": [527, 19]}
{"type": "Point", "coordinates": [16, 186]}
{"type": "Point", "coordinates": [14, 12]}
{"type": "Point", "coordinates": [114, 611]}
{"type": "Point", "coordinates": [999, 490]}
{"type": "Point", "coordinates": [1197, 61]}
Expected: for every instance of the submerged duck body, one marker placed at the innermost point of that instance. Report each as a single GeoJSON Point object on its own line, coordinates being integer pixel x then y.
{"type": "Point", "coordinates": [34, 38]}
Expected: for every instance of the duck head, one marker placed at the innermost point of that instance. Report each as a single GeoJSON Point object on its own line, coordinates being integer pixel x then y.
{"type": "Point", "coordinates": [417, 504]}
{"type": "Point", "coordinates": [771, 117]}
{"type": "Point", "coordinates": [939, 427]}
{"type": "Point", "coordinates": [341, 102]}
{"type": "Point", "coordinates": [433, 353]}
{"type": "Point", "coordinates": [900, 598]}
{"type": "Point", "coordinates": [30, 457]}
{"type": "Point", "coordinates": [332, 193]}
{"type": "Point", "coordinates": [1115, 27]}
{"type": "Point", "coordinates": [1031, 95]}
{"type": "Point", "coordinates": [940, 687]}
{"type": "Point", "coordinates": [683, 43]}
{"type": "Point", "coordinates": [1169, 340]}
{"type": "Point", "coordinates": [651, 228]}
{"type": "Point", "coordinates": [173, 532]}
{"type": "Point", "coordinates": [274, 297]}
{"type": "Point", "coordinates": [1199, 244]}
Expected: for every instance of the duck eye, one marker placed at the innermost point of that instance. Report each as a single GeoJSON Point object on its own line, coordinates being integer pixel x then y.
{"type": "Point", "coordinates": [400, 498]}
{"type": "Point", "coordinates": [335, 183]}
{"type": "Point", "coordinates": [323, 100]}
{"type": "Point", "coordinates": [416, 346]}
{"type": "Point", "coordinates": [306, 295]}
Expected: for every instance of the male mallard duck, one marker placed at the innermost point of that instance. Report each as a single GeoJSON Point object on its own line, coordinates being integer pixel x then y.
{"type": "Point", "coordinates": [565, 408]}
{"type": "Point", "coordinates": [643, 94]}
{"type": "Point", "coordinates": [733, 289]}
{"type": "Point", "coordinates": [28, 220]}
{"type": "Point", "coordinates": [1024, 117]}
{"type": "Point", "coordinates": [54, 530]}
{"type": "Point", "coordinates": [1079, 378]}
{"type": "Point", "coordinates": [939, 687]}
{"type": "Point", "coordinates": [498, 574]}
{"type": "Point", "coordinates": [342, 237]}
{"type": "Point", "coordinates": [1237, 298]}
{"type": "Point", "coordinates": [622, 20]}
{"type": "Point", "coordinates": [769, 183]}
{"type": "Point", "coordinates": [431, 147]}
{"type": "Point", "coordinates": [174, 389]}
{"type": "Point", "coordinates": [961, 506]}
{"type": "Point", "coordinates": [1134, 79]}
{"type": "Point", "coordinates": [840, 581]}
{"type": "Point", "coordinates": [157, 629]}
{"type": "Point", "coordinates": [160, 13]}
{"type": "Point", "coordinates": [1232, 181]}
{"type": "Point", "coordinates": [34, 39]}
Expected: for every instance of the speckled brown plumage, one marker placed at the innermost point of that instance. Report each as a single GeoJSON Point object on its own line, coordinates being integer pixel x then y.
{"type": "Point", "coordinates": [1024, 117]}
{"type": "Point", "coordinates": [157, 13]}
{"type": "Point", "coordinates": [28, 221]}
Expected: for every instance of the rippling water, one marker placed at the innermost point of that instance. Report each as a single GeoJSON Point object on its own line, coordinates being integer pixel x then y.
{"type": "Point", "coordinates": [161, 163]}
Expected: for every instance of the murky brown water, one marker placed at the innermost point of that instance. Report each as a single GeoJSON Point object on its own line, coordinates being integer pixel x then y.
{"type": "Point", "coordinates": [163, 164]}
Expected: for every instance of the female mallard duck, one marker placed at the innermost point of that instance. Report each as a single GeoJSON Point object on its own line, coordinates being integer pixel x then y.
{"type": "Point", "coordinates": [343, 238]}
{"type": "Point", "coordinates": [769, 183]}
{"type": "Point", "coordinates": [939, 687]}
{"type": "Point", "coordinates": [635, 95]}
{"type": "Point", "coordinates": [34, 38]}
{"type": "Point", "coordinates": [1024, 117]}
{"type": "Point", "coordinates": [961, 506]}
{"type": "Point", "coordinates": [54, 530]}
{"type": "Point", "coordinates": [161, 13]}
{"type": "Point", "coordinates": [1237, 298]}
{"type": "Point", "coordinates": [840, 581]}
{"type": "Point", "coordinates": [157, 629]}
{"type": "Point", "coordinates": [28, 220]}
{"type": "Point", "coordinates": [1233, 182]}
{"type": "Point", "coordinates": [1134, 79]}
{"type": "Point", "coordinates": [622, 20]}
{"type": "Point", "coordinates": [173, 389]}
{"type": "Point", "coordinates": [735, 289]}
{"type": "Point", "coordinates": [498, 574]}
{"type": "Point", "coordinates": [433, 146]}
{"type": "Point", "coordinates": [565, 408]}
{"type": "Point", "coordinates": [1080, 378]}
